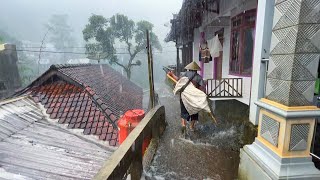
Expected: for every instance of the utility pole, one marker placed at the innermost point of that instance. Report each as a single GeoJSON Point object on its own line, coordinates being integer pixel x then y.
{"type": "Point", "coordinates": [150, 70]}
{"type": "Point", "coordinates": [155, 101]}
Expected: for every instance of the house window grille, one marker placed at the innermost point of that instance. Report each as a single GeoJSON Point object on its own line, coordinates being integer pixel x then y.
{"type": "Point", "coordinates": [242, 40]}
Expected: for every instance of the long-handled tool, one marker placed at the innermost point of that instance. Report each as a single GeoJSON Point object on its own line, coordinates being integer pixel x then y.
{"type": "Point", "coordinates": [213, 118]}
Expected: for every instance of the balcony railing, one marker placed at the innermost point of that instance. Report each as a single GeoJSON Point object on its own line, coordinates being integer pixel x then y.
{"type": "Point", "coordinates": [226, 87]}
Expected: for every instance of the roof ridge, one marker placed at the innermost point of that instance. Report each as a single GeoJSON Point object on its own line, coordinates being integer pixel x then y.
{"type": "Point", "coordinates": [60, 66]}
{"type": "Point", "coordinates": [105, 110]}
{"type": "Point", "coordinates": [13, 99]}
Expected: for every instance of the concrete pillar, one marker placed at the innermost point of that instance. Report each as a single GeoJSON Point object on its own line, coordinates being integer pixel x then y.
{"type": "Point", "coordinates": [178, 68]}
{"type": "Point", "coordinates": [202, 40]}
{"type": "Point", "coordinates": [184, 55]}
{"type": "Point", "coordinates": [287, 117]}
{"type": "Point", "coordinates": [190, 46]}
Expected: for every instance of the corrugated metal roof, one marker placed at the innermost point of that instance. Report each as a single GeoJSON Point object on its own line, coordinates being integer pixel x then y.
{"type": "Point", "coordinates": [33, 148]}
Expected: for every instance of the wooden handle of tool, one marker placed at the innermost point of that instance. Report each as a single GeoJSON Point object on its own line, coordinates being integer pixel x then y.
{"type": "Point", "coordinates": [213, 118]}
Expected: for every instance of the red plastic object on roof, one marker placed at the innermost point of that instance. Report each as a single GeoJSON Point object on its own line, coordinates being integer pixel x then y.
{"type": "Point", "coordinates": [128, 122]}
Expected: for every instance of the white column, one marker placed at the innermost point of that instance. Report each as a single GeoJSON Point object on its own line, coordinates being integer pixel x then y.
{"type": "Point", "coordinates": [261, 50]}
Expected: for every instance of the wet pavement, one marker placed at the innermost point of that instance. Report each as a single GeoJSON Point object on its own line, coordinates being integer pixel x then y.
{"type": "Point", "coordinates": [211, 152]}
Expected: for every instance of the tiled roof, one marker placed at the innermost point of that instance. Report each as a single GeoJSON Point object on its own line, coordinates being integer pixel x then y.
{"type": "Point", "coordinates": [72, 105]}
{"type": "Point", "coordinates": [108, 85]}
{"type": "Point", "coordinates": [89, 97]}
{"type": "Point", "coordinates": [33, 147]}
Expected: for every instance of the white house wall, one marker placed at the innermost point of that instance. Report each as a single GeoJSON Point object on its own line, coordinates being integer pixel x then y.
{"type": "Point", "coordinates": [238, 7]}
{"type": "Point", "coordinates": [196, 41]}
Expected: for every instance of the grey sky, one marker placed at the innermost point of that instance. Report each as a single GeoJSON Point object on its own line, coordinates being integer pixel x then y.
{"type": "Point", "coordinates": [25, 18]}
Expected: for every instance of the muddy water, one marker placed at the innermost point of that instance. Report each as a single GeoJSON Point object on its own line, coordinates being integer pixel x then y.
{"type": "Point", "coordinates": [211, 152]}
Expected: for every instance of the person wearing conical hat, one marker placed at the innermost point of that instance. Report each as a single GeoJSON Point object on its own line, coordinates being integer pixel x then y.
{"type": "Point", "coordinates": [198, 82]}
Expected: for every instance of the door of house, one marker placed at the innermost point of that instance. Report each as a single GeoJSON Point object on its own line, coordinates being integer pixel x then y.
{"type": "Point", "coordinates": [218, 60]}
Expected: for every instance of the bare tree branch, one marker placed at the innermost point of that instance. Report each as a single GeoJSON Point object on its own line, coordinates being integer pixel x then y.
{"type": "Point", "coordinates": [129, 47]}
{"type": "Point", "coordinates": [119, 64]}
{"type": "Point", "coordinates": [135, 64]}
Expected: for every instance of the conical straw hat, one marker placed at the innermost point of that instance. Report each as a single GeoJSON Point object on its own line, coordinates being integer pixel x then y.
{"type": "Point", "coordinates": [193, 66]}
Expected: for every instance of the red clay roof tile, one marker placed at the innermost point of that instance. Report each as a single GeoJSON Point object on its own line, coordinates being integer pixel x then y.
{"type": "Point", "coordinates": [93, 102]}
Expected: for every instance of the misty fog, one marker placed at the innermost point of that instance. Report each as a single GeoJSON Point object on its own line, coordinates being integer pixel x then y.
{"type": "Point", "coordinates": [24, 24]}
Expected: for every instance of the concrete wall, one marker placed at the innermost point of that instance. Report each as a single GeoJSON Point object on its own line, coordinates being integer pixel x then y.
{"type": "Point", "coordinates": [232, 113]}
{"type": "Point", "coordinates": [9, 75]}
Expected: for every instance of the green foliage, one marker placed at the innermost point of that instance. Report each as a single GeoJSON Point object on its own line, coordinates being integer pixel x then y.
{"type": "Point", "coordinates": [27, 73]}
{"type": "Point", "coordinates": [99, 38]}
{"type": "Point", "coordinates": [1, 40]}
{"type": "Point", "coordinates": [101, 34]}
{"type": "Point", "coordinates": [8, 38]}
{"type": "Point", "coordinates": [60, 33]}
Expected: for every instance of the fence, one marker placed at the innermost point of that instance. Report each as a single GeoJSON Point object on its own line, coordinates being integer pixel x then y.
{"type": "Point", "coordinates": [226, 87]}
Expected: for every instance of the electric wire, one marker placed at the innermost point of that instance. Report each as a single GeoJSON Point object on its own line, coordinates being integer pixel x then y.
{"type": "Point", "coordinates": [79, 53]}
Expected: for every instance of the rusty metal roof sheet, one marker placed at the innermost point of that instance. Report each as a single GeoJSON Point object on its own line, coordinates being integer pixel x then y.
{"type": "Point", "coordinates": [32, 147]}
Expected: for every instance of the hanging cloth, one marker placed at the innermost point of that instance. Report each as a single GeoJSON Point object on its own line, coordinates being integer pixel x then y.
{"type": "Point", "coordinates": [204, 54]}
{"type": "Point", "coordinates": [215, 46]}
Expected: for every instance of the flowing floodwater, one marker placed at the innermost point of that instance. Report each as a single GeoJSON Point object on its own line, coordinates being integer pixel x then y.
{"type": "Point", "coordinates": [210, 152]}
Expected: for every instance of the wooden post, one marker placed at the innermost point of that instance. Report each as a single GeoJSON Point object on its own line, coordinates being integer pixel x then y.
{"type": "Point", "coordinates": [150, 72]}
{"type": "Point", "coordinates": [152, 79]}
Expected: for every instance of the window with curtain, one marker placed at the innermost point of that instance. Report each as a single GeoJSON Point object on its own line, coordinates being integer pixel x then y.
{"type": "Point", "coordinates": [242, 40]}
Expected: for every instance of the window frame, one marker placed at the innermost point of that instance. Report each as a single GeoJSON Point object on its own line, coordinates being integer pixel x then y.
{"type": "Point", "coordinates": [243, 25]}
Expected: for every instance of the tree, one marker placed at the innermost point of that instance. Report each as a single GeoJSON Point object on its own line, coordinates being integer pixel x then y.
{"type": "Point", "coordinates": [8, 38]}
{"type": "Point", "coordinates": [101, 35]}
{"type": "Point", "coordinates": [60, 33]}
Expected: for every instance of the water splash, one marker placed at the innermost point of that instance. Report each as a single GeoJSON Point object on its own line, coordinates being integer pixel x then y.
{"type": "Point", "coordinates": [172, 142]}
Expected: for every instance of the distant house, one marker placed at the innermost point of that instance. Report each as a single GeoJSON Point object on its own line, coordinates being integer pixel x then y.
{"type": "Point", "coordinates": [234, 22]}
{"type": "Point", "coordinates": [85, 96]}
{"type": "Point", "coordinates": [79, 61]}
{"type": "Point", "coordinates": [9, 75]}
{"type": "Point", "coordinates": [243, 28]}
